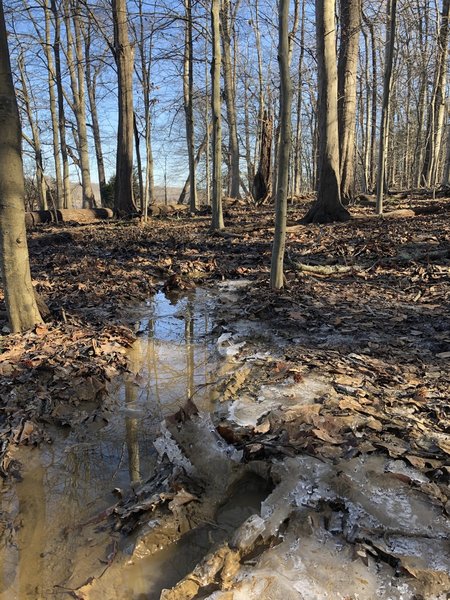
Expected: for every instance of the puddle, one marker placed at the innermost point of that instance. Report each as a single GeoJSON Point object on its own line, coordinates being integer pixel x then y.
{"type": "Point", "coordinates": [71, 481]}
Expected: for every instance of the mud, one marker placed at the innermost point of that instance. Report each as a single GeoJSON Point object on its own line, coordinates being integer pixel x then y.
{"type": "Point", "coordinates": [145, 499]}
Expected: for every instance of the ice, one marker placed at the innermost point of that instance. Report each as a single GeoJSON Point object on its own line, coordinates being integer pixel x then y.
{"type": "Point", "coordinates": [248, 533]}
{"type": "Point", "coordinates": [311, 565]}
{"type": "Point", "coordinates": [226, 347]}
{"type": "Point", "coordinates": [216, 443]}
{"type": "Point", "coordinates": [246, 412]}
{"type": "Point", "coordinates": [165, 445]}
{"type": "Point", "coordinates": [290, 393]}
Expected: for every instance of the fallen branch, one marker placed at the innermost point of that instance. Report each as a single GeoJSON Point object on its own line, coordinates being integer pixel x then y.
{"type": "Point", "coordinates": [323, 269]}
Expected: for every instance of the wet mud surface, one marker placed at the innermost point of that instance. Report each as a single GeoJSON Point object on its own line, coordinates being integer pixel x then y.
{"type": "Point", "coordinates": [231, 442]}
{"type": "Point", "coordinates": [185, 486]}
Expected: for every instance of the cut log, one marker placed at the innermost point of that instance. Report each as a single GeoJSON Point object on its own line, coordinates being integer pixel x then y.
{"type": "Point", "coordinates": [163, 210]}
{"type": "Point", "coordinates": [82, 215]}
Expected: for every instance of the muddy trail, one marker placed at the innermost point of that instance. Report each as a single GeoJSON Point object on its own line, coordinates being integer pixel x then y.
{"type": "Point", "coordinates": [177, 430]}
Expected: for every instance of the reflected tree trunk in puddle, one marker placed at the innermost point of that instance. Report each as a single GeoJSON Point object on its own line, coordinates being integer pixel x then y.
{"type": "Point", "coordinates": [189, 341]}
{"type": "Point", "coordinates": [152, 365]}
{"type": "Point", "coordinates": [31, 538]}
{"type": "Point", "coordinates": [132, 423]}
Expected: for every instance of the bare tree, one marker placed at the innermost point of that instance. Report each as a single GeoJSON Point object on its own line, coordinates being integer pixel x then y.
{"type": "Point", "coordinates": [75, 63]}
{"type": "Point", "coordinates": [387, 84]}
{"type": "Point", "coordinates": [92, 72]}
{"type": "Point", "coordinates": [188, 93]}
{"type": "Point", "coordinates": [350, 18]}
{"type": "Point", "coordinates": [437, 109]}
{"type": "Point", "coordinates": [123, 192]}
{"type": "Point", "coordinates": [276, 273]}
{"type": "Point", "coordinates": [328, 206]}
{"type": "Point", "coordinates": [20, 300]}
{"type": "Point", "coordinates": [216, 200]}
{"type": "Point", "coordinates": [227, 23]}
{"type": "Point", "coordinates": [67, 195]}
{"type": "Point", "coordinates": [35, 141]}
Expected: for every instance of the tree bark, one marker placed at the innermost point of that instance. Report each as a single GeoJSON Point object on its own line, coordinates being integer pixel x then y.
{"type": "Point", "coordinates": [230, 100]}
{"type": "Point", "coordinates": [298, 169]}
{"type": "Point", "coordinates": [20, 300]}
{"type": "Point", "coordinates": [328, 206]}
{"type": "Point", "coordinates": [216, 200]}
{"type": "Point", "coordinates": [262, 183]}
{"type": "Point", "coordinates": [387, 84]}
{"type": "Point", "coordinates": [91, 84]}
{"type": "Point", "coordinates": [436, 113]}
{"type": "Point", "coordinates": [188, 92]}
{"type": "Point", "coordinates": [67, 194]}
{"type": "Point", "coordinates": [284, 148]}
{"type": "Point", "coordinates": [77, 82]}
{"type": "Point", "coordinates": [36, 139]}
{"type": "Point", "coordinates": [203, 146]}
{"type": "Point", "coordinates": [123, 193]}
{"type": "Point", "coordinates": [350, 15]}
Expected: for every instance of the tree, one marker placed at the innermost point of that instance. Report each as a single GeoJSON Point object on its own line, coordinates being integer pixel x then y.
{"type": "Point", "coordinates": [216, 200]}
{"type": "Point", "coordinates": [188, 93]}
{"type": "Point", "coordinates": [123, 197]}
{"type": "Point", "coordinates": [92, 72]}
{"type": "Point", "coordinates": [67, 196]}
{"type": "Point", "coordinates": [328, 206]}
{"type": "Point", "coordinates": [227, 23]}
{"type": "Point", "coordinates": [20, 300]}
{"type": "Point", "coordinates": [72, 14]}
{"type": "Point", "coordinates": [350, 16]}
{"type": "Point", "coordinates": [387, 83]}
{"type": "Point", "coordinates": [436, 113]}
{"type": "Point", "coordinates": [284, 148]}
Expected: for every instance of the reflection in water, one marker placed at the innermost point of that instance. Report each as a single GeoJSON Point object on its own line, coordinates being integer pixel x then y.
{"type": "Point", "coordinates": [68, 483]}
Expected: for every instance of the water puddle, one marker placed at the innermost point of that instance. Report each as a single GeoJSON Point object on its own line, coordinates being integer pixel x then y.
{"type": "Point", "coordinates": [66, 484]}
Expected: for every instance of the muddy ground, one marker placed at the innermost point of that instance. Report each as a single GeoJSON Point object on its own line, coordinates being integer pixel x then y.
{"type": "Point", "coordinates": [347, 372]}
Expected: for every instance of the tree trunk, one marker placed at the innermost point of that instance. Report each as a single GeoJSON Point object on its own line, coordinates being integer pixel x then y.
{"type": "Point", "coordinates": [203, 146]}
{"type": "Point", "coordinates": [188, 92]}
{"type": "Point", "coordinates": [446, 174]}
{"type": "Point", "coordinates": [216, 200]}
{"type": "Point", "coordinates": [298, 169]}
{"type": "Point", "coordinates": [123, 194]}
{"type": "Point", "coordinates": [365, 118]}
{"type": "Point", "coordinates": [77, 82]}
{"type": "Point", "coordinates": [328, 206]}
{"type": "Point", "coordinates": [262, 183]}
{"type": "Point", "coordinates": [284, 148]}
{"type": "Point", "coordinates": [91, 84]}
{"type": "Point", "coordinates": [36, 139]}
{"type": "Point", "coordinates": [230, 100]}
{"type": "Point", "coordinates": [387, 84]}
{"type": "Point", "coordinates": [248, 156]}
{"type": "Point", "coordinates": [67, 194]}
{"type": "Point", "coordinates": [144, 42]}
{"type": "Point", "coordinates": [46, 44]}
{"type": "Point", "coordinates": [350, 14]}
{"type": "Point", "coordinates": [373, 90]}
{"type": "Point", "coordinates": [20, 300]}
{"type": "Point", "coordinates": [137, 145]}
{"type": "Point", "coordinates": [436, 113]}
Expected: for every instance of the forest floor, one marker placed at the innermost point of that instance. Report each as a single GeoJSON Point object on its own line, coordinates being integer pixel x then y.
{"type": "Point", "coordinates": [365, 309]}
